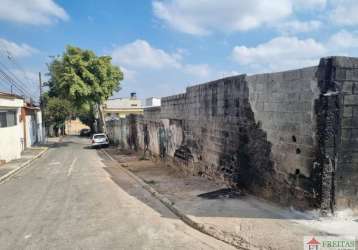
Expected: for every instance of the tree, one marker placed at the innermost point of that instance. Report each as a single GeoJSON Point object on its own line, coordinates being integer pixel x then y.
{"type": "Point", "coordinates": [56, 112]}
{"type": "Point", "coordinates": [84, 79]}
{"type": "Point", "coordinates": [87, 117]}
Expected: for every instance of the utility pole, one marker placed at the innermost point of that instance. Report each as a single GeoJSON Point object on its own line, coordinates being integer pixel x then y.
{"type": "Point", "coordinates": [40, 82]}
{"type": "Point", "coordinates": [41, 108]}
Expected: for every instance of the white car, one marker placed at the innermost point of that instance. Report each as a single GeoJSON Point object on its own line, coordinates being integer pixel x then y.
{"type": "Point", "coordinates": [100, 140]}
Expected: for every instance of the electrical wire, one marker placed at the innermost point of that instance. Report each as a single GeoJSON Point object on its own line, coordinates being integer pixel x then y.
{"type": "Point", "coordinates": [12, 79]}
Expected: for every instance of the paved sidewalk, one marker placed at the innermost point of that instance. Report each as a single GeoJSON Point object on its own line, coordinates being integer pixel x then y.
{"type": "Point", "coordinates": [27, 156]}
{"type": "Point", "coordinates": [243, 220]}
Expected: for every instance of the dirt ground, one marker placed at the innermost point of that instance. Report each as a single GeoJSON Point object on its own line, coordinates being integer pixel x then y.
{"type": "Point", "coordinates": [259, 223]}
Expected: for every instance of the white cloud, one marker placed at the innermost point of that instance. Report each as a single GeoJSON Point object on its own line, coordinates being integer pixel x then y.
{"type": "Point", "coordinates": [289, 52]}
{"type": "Point", "coordinates": [13, 49]}
{"type": "Point", "coordinates": [309, 4]}
{"type": "Point", "coordinates": [295, 26]}
{"type": "Point", "coordinates": [280, 53]}
{"type": "Point", "coordinates": [201, 71]}
{"type": "Point", "coordinates": [128, 74]}
{"type": "Point", "coordinates": [345, 12]}
{"type": "Point", "coordinates": [201, 17]}
{"type": "Point", "coordinates": [140, 54]}
{"type": "Point", "coordinates": [343, 40]}
{"type": "Point", "coordinates": [36, 12]}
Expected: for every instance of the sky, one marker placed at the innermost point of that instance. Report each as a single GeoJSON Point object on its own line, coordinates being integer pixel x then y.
{"type": "Point", "coordinates": [164, 46]}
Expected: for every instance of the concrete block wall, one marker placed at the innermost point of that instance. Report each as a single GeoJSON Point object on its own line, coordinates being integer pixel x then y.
{"type": "Point", "coordinates": [118, 132]}
{"type": "Point", "coordinates": [283, 103]}
{"type": "Point", "coordinates": [345, 76]}
{"type": "Point", "coordinates": [290, 137]}
{"type": "Point", "coordinates": [173, 106]}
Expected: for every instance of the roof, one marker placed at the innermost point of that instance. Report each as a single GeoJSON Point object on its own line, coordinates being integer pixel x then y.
{"type": "Point", "coordinates": [125, 103]}
{"type": "Point", "coordinates": [10, 96]}
{"type": "Point", "coordinates": [313, 242]}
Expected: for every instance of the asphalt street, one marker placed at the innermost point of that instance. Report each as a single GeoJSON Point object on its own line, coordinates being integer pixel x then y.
{"type": "Point", "coordinates": [67, 200]}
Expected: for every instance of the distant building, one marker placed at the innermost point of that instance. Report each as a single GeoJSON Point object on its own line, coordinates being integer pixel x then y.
{"type": "Point", "coordinates": [121, 107]}
{"type": "Point", "coordinates": [152, 102]}
{"type": "Point", "coordinates": [74, 126]}
{"type": "Point", "coordinates": [20, 126]}
{"type": "Point", "coordinates": [32, 118]}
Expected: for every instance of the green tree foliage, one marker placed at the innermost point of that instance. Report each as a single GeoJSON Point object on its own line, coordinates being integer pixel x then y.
{"type": "Point", "coordinates": [56, 112]}
{"type": "Point", "coordinates": [84, 79]}
{"type": "Point", "coordinates": [87, 117]}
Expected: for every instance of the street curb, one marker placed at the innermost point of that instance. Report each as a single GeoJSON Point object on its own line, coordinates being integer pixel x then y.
{"type": "Point", "coordinates": [208, 230]}
{"type": "Point", "coordinates": [23, 165]}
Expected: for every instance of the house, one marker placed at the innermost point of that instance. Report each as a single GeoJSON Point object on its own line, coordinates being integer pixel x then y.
{"type": "Point", "coordinates": [11, 127]}
{"type": "Point", "coordinates": [32, 124]}
{"type": "Point", "coordinates": [152, 102]}
{"type": "Point", "coordinates": [20, 126]}
{"type": "Point", "coordinates": [121, 107]}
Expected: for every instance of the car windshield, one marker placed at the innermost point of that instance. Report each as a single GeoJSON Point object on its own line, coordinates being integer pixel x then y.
{"type": "Point", "coordinates": [99, 137]}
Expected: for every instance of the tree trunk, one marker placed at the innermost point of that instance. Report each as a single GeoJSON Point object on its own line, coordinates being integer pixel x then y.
{"type": "Point", "coordinates": [102, 122]}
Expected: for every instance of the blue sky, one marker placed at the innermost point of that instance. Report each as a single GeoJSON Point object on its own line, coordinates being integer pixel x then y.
{"type": "Point", "coordinates": [163, 46]}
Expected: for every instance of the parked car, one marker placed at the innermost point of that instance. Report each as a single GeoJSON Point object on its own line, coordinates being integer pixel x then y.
{"type": "Point", "coordinates": [85, 132]}
{"type": "Point", "coordinates": [100, 140]}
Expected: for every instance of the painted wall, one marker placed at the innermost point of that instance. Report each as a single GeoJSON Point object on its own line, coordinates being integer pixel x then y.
{"type": "Point", "coordinates": [11, 142]}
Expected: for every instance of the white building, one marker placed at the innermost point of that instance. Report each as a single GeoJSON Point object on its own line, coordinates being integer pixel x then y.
{"type": "Point", "coordinates": [32, 125]}
{"type": "Point", "coordinates": [11, 127]}
{"type": "Point", "coordinates": [121, 107]}
{"type": "Point", "coordinates": [152, 102]}
{"type": "Point", "coordinates": [20, 126]}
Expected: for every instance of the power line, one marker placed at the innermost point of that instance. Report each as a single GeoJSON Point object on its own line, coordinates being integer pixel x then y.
{"type": "Point", "coordinates": [11, 82]}
{"type": "Point", "coordinates": [23, 85]}
{"type": "Point", "coordinates": [10, 77]}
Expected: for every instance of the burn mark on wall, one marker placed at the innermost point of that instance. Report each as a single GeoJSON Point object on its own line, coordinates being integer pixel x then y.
{"type": "Point", "coordinates": [146, 137]}
{"type": "Point", "coordinates": [132, 139]}
{"type": "Point", "coordinates": [184, 154]}
{"type": "Point", "coordinates": [162, 135]}
{"type": "Point", "coordinates": [245, 158]}
{"type": "Point", "coordinates": [327, 109]}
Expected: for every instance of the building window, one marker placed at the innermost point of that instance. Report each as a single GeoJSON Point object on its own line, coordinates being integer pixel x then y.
{"type": "Point", "coordinates": [3, 122]}
{"type": "Point", "coordinates": [8, 118]}
{"type": "Point", "coordinates": [134, 105]}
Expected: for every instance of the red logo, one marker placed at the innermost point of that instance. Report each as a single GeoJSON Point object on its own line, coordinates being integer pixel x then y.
{"type": "Point", "coordinates": [313, 244]}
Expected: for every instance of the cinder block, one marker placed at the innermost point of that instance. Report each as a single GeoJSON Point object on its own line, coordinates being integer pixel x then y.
{"type": "Point", "coordinates": [340, 74]}
{"type": "Point", "coordinates": [347, 87]}
{"type": "Point", "coordinates": [352, 74]}
{"type": "Point", "coordinates": [348, 144]}
{"type": "Point", "coordinates": [306, 96]}
{"type": "Point", "coordinates": [348, 111]}
{"type": "Point", "coordinates": [346, 133]}
{"type": "Point", "coordinates": [291, 75]}
{"type": "Point", "coordinates": [309, 73]}
{"type": "Point", "coordinates": [355, 111]}
{"type": "Point", "coordinates": [351, 99]}
{"type": "Point", "coordinates": [345, 62]}
{"type": "Point", "coordinates": [355, 88]}
{"type": "Point", "coordinates": [270, 106]}
{"type": "Point", "coordinates": [355, 122]}
{"type": "Point", "coordinates": [347, 122]}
